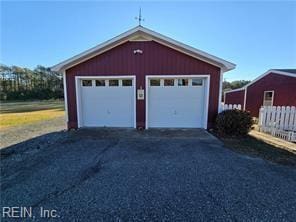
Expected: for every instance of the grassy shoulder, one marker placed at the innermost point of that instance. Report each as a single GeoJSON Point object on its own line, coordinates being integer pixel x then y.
{"type": "Point", "coordinates": [20, 113]}
{"type": "Point", "coordinates": [253, 147]}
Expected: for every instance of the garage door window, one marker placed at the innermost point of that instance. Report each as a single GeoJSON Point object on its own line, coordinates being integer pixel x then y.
{"type": "Point", "coordinates": [113, 82]}
{"type": "Point", "coordinates": [127, 82]}
{"type": "Point", "coordinates": [196, 82]}
{"type": "Point", "coordinates": [87, 82]}
{"type": "Point", "coordinates": [154, 82]}
{"type": "Point", "coordinates": [169, 82]}
{"type": "Point", "coordinates": [100, 83]}
{"type": "Point", "coordinates": [182, 82]}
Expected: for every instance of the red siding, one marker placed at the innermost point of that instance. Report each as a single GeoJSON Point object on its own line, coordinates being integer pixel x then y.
{"type": "Point", "coordinates": [284, 92]}
{"type": "Point", "coordinates": [155, 60]}
{"type": "Point", "coordinates": [236, 97]}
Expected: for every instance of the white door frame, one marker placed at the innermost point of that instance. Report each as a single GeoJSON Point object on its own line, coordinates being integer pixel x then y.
{"type": "Point", "coordinates": [207, 93]}
{"type": "Point", "coordinates": [272, 98]}
{"type": "Point", "coordinates": [78, 94]}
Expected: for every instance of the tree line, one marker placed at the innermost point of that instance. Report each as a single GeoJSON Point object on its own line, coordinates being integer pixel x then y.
{"type": "Point", "coordinates": [18, 83]}
{"type": "Point", "coordinates": [234, 84]}
{"type": "Point", "coordinates": [227, 86]}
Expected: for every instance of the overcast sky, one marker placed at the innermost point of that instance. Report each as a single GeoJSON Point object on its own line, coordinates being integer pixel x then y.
{"type": "Point", "coordinates": [256, 36]}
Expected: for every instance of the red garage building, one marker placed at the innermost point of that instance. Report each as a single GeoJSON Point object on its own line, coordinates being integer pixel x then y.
{"type": "Point", "coordinates": [276, 87]}
{"type": "Point", "coordinates": [142, 79]}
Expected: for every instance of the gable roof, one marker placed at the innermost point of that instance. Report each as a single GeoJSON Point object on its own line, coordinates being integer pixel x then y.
{"type": "Point", "coordinates": [293, 71]}
{"type": "Point", "coordinates": [285, 72]}
{"type": "Point", "coordinates": [140, 33]}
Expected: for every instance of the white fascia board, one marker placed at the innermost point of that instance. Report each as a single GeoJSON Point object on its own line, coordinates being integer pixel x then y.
{"type": "Point", "coordinates": [235, 90]}
{"type": "Point", "coordinates": [223, 64]}
{"type": "Point", "coordinates": [59, 66]}
{"type": "Point", "coordinates": [267, 73]}
{"type": "Point", "coordinates": [261, 76]}
{"type": "Point", "coordinates": [227, 65]}
{"type": "Point", "coordinates": [282, 73]}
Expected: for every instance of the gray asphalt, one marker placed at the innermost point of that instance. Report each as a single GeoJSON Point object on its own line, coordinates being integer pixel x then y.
{"type": "Point", "coordinates": [157, 175]}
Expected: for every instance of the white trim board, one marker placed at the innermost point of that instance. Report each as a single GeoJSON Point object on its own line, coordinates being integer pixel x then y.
{"type": "Point", "coordinates": [207, 92]}
{"type": "Point", "coordinates": [235, 90]}
{"type": "Point", "coordinates": [220, 91]}
{"type": "Point", "coordinates": [245, 98]}
{"type": "Point", "coordinates": [65, 97]}
{"type": "Point", "coordinates": [135, 33]}
{"type": "Point", "coordinates": [263, 75]}
{"type": "Point", "coordinates": [78, 99]}
{"type": "Point", "coordinates": [272, 98]}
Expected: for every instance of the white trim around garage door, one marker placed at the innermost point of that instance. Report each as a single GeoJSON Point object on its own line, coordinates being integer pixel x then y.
{"type": "Point", "coordinates": [207, 92]}
{"type": "Point", "coordinates": [78, 99]}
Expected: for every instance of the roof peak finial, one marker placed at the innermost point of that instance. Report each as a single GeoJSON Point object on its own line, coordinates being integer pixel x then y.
{"type": "Point", "coordinates": [139, 18]}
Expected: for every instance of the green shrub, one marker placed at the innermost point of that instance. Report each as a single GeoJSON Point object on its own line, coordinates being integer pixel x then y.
{"type": "Point", "coordinates": [233, 123]}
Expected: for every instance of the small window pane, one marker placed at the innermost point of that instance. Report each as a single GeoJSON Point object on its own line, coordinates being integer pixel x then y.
{"type": "Point", "coordinates": [268, 96]}
{"type": "Point", "coordinates": [86, 82]}
{"type": "Point", "coordinates": [169, 82]}
{"type": "Point", "coordinates": [196, 82]}
{"type": "Point", "coordinates": [182, 82]}
{"type": "Point", "coordinates": [127, 82]}
{"type": "Point", "coordinates": [100, 82]}
{"type": "Point", "coordinates": [268, 99]}
{"type": "Point", "coordinates": [113, 82]}
{"type": "Point", "coordinates": [154, 82]}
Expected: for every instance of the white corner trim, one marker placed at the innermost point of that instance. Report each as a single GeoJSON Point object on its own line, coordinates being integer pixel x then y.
{"type": "Point", "coordinates": [224, 97]}
{"type": "Point", "coordinates": [78, 102]}
{"type": "Point", "coordinates": [245, 98]}
{"type": "Point", "coordinates": [65, 97]}
{"type": "Point", "coordinates": [139, 30]}
{"type": "Point", "coordinates": [135, 101]}
{"type": "Point", "coordinates": [146, 100]}
{"type": "Point", "coordinates": [206, 109]}
{"type": "Point", "coordinates": [220, 91]}
{"type": "Point", "coordinates": [207, 92]}
{"type": "Point", "coordinates": [78, 96]}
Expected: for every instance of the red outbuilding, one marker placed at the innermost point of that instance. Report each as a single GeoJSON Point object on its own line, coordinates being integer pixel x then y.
{"type": "Point", "coordinates": [276, 87]}
{"type": "Point", "coordinates": [143, 79]}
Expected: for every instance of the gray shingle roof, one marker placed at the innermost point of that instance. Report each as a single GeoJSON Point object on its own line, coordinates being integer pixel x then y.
{"type": "Point", "coordinates": [293, 71]}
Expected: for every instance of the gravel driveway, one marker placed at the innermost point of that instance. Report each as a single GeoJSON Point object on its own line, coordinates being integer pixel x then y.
{"type": "Point", "coordinates": [157, 175]}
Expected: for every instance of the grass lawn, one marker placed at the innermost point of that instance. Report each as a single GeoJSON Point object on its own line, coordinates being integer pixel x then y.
{"type": "Point", "coordinates": [20, 113]}
{"type": "Point", "coordinates": [256, 148]}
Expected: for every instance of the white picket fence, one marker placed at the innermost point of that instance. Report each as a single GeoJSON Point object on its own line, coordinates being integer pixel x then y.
{"type": "Point", "coordinates": [230, 106]}
{"type": "Point", "coordinates": [279, 121]}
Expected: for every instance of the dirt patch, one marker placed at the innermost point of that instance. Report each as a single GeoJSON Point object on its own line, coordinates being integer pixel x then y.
{"type": "Point", "coordinates": [274, 141]}
{"type": "Point", "coordinates": [18, 134]}
{"type": "Point", "coordinates": [253, 147]}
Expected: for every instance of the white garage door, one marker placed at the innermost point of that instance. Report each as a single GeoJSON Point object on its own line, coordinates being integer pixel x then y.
{"type": "Point", "coordinates": [176, 102]}
{"type": "Point", "coordinates": [107, 102]}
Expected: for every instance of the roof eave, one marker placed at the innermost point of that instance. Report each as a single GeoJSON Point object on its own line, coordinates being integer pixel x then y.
{"type": "Point", "coordinates": [223, 64]}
